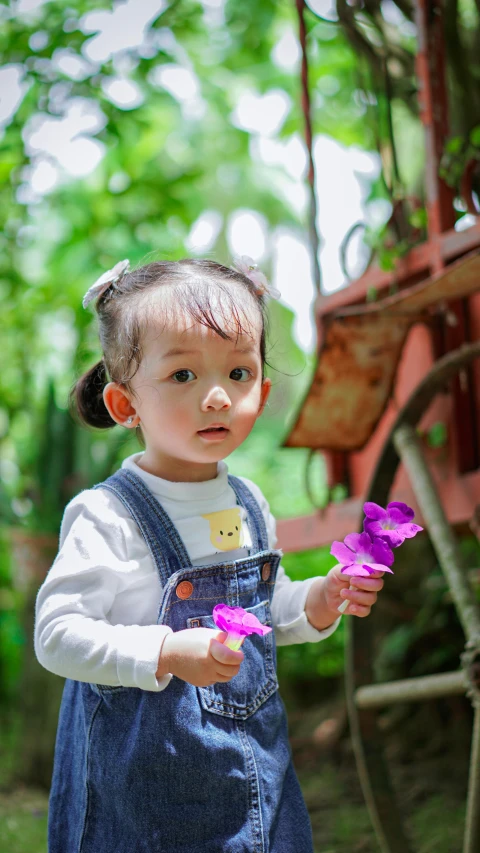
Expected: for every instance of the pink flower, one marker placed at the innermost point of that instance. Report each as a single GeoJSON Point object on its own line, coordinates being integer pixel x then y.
{"type": "Point", "coordinates": [361, 556]}
{"type": "Point", "coordinates": [393, 524]}
{"type": "Point", "coordinates": [238, 624]}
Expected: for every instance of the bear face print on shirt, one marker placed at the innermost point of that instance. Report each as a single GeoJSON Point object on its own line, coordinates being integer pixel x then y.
{"type": "Point", "coordinates": [226, 529]}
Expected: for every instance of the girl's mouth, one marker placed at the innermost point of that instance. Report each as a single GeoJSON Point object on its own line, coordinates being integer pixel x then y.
{"type": "Point", "coordinates": [213, 433]}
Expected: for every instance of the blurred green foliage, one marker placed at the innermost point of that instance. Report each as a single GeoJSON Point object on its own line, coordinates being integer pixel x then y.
{"type": "Point", "coordinates": [163, 160]}
{"type": "Point", "coordinates": [431, 640]}
{"type": "Point", "coordinates": [11, 634]}
{"type": "Point", "coordinates": [161, 166]}
{"type": "Point", "coordinates": [309, 661]}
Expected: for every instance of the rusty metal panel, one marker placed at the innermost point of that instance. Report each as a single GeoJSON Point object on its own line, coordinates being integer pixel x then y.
{"type": "Point", "coordinates": [352, 383]}
{"type": "Point", "coordinates": [359, 355]}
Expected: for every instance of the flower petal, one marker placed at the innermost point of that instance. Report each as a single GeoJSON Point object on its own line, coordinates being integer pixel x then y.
{"type": "Point", "coordinates": [374, 511]}
{"type": "Point", "coordinates": [381, 552]}
{"type": "Point", "coordinates": [251, 624]}
{"type": "Point", "coordinates": [356, 571]}
{"type": "Point", "coordinates": [373, 528]}
{"type": "Point", "coordinates": [358, 542]}
{"type": "Point", "coordinates": [377, 567]}
{"type": "Point", "coordinates": [410, 530]}
{"type": "Point", "coordinates": [226, 617]}
{"type": "Point", "coordinates": [364, 548]}
{"type": "Point", "coordinates": [393, 538]}
{"type": "Point", "coordinates": [237, 621]}
{"type": "Point", "coordinates": [221, 618]}
{"type": "Point", "coordinates": [405, 510]}
{"type": "Point", "coordinates": [341, 553]}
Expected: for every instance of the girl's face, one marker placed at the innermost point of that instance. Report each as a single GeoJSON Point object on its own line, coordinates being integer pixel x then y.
{"type": "Point", "coordinates": [196, 395]}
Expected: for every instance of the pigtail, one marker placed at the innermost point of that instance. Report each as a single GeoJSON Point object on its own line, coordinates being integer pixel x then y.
{"type": "Point", "coordinates": [86, 398]}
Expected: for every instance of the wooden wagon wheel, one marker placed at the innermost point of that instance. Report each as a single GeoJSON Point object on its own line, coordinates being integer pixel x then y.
{"type": "Point", "coordinates": [364, 698]}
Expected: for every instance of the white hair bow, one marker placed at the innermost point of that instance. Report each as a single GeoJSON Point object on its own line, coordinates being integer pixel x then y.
{"type": "Point", "coordinates": [105, 280]}
{"type": "Point", "coordinates": [249, 268]}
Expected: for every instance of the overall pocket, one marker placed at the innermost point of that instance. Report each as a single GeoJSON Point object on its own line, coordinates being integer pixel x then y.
{"type": "Point", "coordinates": [257, 679]}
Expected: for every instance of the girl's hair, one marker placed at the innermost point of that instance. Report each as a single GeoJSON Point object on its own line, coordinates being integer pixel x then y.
{"type": "Point", "coordinates": [123, 314]}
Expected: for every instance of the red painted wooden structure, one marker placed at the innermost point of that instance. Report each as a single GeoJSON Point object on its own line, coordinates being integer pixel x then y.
{"type": "Point", "coordinates": [372, 356]}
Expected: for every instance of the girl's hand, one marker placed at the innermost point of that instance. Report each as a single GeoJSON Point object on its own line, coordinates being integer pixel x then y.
{"type": "Point", "coordinates": [198, 656]}
{"type": "Point", "coordinates": [361, 592]}
{"type": "Point", "coordinates": [326, 594]}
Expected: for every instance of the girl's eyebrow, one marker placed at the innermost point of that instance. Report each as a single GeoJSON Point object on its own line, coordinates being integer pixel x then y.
{"type": "Point", "coordinates": [179, 351]}
{"type": "Point", "coordinates": [247, 350]}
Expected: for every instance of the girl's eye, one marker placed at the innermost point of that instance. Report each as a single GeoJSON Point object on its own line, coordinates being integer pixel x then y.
{"type": "Point", "coordinates": [183, 376]}
{"type": "Point", "coordinates": [240, 374]}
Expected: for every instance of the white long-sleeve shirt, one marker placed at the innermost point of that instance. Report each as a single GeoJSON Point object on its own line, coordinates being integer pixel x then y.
{"type": "Point", "coordinates": [97, 609]}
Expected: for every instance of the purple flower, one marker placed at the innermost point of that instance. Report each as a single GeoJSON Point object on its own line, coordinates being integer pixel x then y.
{"type": "Point", "coordinates": [238, 624]}
{"type": "Point", "coordinates": [393, 524]}
{"type": "Point", "coordinates": [361, 556]}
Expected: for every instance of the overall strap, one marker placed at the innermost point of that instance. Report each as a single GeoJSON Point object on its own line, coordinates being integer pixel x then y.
{"type": "Point", "coordinates": [157, 528]}
{"type": "Point", "coordinates": [246, 499]}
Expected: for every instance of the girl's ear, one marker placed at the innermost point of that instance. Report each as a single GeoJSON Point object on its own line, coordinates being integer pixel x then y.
{"type": "Point", "coordinates": [118, 404]}
{"type": "Point", "coordinates": [264, 394]}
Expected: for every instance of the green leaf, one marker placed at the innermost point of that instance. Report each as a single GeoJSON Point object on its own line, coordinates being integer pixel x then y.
{"type": "Point", "coordinates": [437, 435]}
{"type": "Point", "coordinates": [454, 145]}
{"type": "Point", "coordinates": [475, 136]}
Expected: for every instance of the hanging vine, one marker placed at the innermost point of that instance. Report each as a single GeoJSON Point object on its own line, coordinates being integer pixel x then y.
{"type": "Point", "coordinates": [386, 73]}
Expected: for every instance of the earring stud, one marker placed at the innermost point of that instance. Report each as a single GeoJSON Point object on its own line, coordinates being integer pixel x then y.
{"type": "Point", "coordinates": [130, 420]}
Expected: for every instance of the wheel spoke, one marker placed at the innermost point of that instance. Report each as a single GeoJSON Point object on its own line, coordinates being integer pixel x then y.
{"type": "Point", "coordinates": [411, 689]}
{"type": "Point", "coordinates": [364, 698]}
{"type": "Point", "coordinates": [373, 770]}
{"type": "Point", "coordinates": [472, 823]}
{"type": "Point", "coordinates": [443, 540]}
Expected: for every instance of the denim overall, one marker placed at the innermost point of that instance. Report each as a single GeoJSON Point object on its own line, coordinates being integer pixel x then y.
{"type": "Point", "coordinates": [186, 770]}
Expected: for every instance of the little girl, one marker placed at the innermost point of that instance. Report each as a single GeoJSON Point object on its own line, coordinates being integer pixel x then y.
{"type": "Point", "coordinates": [169, 741]}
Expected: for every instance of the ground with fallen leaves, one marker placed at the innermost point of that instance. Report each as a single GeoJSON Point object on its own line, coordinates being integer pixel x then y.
{"type": "Point", "coordinates": [431, 790]}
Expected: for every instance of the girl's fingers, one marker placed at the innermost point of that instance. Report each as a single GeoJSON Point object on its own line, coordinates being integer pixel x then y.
{"type": "Point", "coordinates": [361, 594]}
{"type": "Point", "coordinates": [227, 671]}
{"type": "Point", "coordinates": [224, 655]}
{"type": "Point", "coordinates": [368, 584]}
{"type": "Point", "coordinates": [357, 610]}
{"type": "Point", "coordinates": [357, 596]}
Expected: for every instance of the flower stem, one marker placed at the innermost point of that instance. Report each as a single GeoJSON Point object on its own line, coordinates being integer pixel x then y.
{"type": "Point", "coordinates": [343, 606]}
{"type": "Point", "coordinates": [234, 641]}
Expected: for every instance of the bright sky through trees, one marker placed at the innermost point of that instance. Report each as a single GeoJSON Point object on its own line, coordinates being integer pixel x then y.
{"type": "Point", "coordinates": [64, 146]}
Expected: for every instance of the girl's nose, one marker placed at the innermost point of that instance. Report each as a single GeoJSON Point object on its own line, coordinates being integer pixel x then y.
{"type": "Point", "coordinates": [216, 399]}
